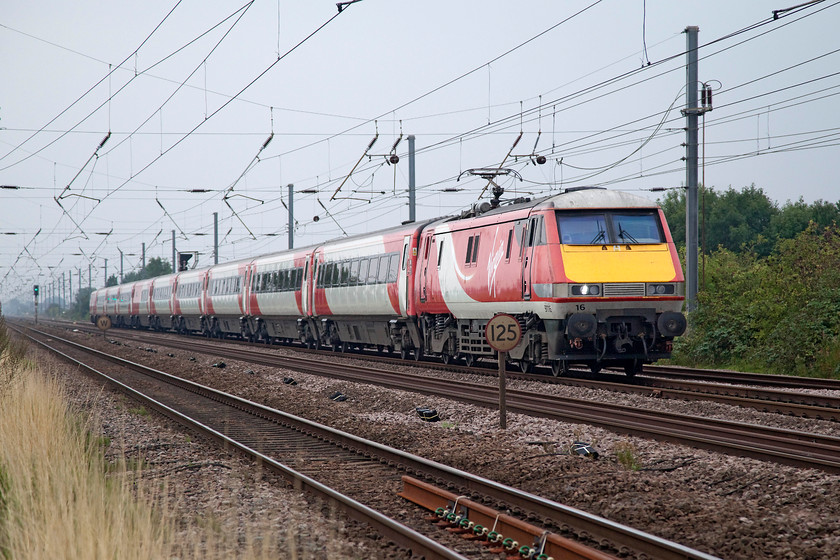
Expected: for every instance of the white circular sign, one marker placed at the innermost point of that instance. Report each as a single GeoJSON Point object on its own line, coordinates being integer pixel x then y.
{"type": "Point", "coordinates": [104, 323]}
{"type": "Point", "coordinates": [503, 332]}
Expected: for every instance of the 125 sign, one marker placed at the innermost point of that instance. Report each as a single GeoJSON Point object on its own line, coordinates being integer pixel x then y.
{"type": "Point", "coordinates": [503, 332]}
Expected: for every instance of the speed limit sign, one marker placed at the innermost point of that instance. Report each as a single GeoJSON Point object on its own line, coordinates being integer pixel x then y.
{"type": "Point", "coordinates": [503, 332]}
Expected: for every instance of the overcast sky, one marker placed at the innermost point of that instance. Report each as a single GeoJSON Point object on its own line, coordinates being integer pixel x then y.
{"type": "Point", "coordinates": [189, 93]}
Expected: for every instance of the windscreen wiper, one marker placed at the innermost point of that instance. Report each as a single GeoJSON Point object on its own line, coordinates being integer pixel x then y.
{"type": "Point", "coordinates": [598, 238]}
{"type": "Point", "coordinates": [622, 234]}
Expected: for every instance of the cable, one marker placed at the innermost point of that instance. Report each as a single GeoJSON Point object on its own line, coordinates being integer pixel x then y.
{"type": "Point", "coordinates": [112, 96]}
{"type": "Point", "coordinates": [108, 75]}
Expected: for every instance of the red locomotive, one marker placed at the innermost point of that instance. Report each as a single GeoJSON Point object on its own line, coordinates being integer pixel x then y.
{"type": "Point", "coordinates": [592, 275]}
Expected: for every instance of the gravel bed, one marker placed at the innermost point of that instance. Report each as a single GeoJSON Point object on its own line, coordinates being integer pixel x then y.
{"type": "Point", "coordinates": [732, 507]}
{"type": "Point", "coordinates": [217, 499]}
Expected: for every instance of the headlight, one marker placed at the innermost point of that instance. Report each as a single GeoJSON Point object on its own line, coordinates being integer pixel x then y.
{"type": "Point", "coordinates": [660, 289]}
{"type": "Point", "coordinates": [586, 289]}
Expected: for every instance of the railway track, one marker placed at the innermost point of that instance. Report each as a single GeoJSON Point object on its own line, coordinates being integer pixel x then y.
{"type": "Point", "coordinates": [658, 381]}
{"type": "Point", "coordinates": [729, 376]}
{"type": "Point", "coordinates": [799, 449]}
{"type": "Point", "coordinates": [290, 445]}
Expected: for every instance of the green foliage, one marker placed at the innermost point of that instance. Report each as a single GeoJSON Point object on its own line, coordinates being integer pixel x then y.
{"type": "Point", "coordinates": [111, 281]}
{"type": "Point", "coordinates": [778, 314]}
{"type": "Point", "coordinates": [746, 219]}
{"type": "Point", "coordinates": [628, 456]}
{"type": "Point", "coordinates": [154, 268]}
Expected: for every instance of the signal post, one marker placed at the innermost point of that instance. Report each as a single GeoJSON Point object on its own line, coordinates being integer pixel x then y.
{"type": "Point", "coordinates": [35, 289]}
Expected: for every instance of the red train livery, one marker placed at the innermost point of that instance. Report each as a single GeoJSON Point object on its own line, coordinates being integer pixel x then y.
{"type": "Point", "coordinates": [592, 276]}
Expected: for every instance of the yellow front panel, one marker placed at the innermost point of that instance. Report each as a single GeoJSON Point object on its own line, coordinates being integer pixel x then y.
{"type": "Point", "coordinates": [618, 263]}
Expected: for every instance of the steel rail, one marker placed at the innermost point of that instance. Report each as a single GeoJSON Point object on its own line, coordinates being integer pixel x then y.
{"type": "Point", "coordinates": [766, 443]}
{"type": "Point", "coordinates": [807, 405]}
{"type": "Point", "coordinates": [595, 527]}
{"type": "Point", "coordinates": [798, 449]}
{"type": "Point", "coordinates": [730, 376]}
{"type": "Point", "coordinates": [388, 528]}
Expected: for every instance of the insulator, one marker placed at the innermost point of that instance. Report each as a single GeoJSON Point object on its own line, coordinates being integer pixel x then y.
{"type": "Point", "coordinates": [394, 159]}
{"type": "Point", "coordinates": [541, 160]}
{"type": "Point", "coordinates": [703, 96]}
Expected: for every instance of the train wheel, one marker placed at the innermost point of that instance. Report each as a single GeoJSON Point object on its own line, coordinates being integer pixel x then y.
{"type": "Point", "coordinates": [403, 353]}
{"type": "Point", "coordinates": [632, 367]}
{"type": "Point", "coordinates": [595, 368]}
{"type": "Point", "coordinates": [418, 354]}
{"type": "Point", "coordinates": [447, 358]}
{"type": "Point", "coordinates": [469, 360]}
{"type": "Point", "coordinates": [345, 347]}
{"type": "Point", "coordinates": [559, 368]}
{"type": "Point", "coordinates": [525, 366]}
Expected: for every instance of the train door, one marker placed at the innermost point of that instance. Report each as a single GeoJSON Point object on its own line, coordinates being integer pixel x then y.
{"type": "Point", "coordinates": [305, 295]}
{"type": "Point", "coordinates": [405, 270]}
{"type": "Point", "coordinates": [427, 244]}
{"type": "Point", "coordinates": [529, 241]}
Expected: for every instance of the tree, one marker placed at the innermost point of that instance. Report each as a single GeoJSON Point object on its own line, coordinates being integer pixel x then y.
{"type": "Point", "coordinates": [156, 267]}
{"type": "Point", "coordinates": [746, 220]}
{"type": "Point", "coordinates": [81, 307]}
{"type": "Point", "coordinates": [111, 281]}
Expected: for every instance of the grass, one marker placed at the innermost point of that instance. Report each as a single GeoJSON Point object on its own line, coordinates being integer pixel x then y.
{"type": "Point", "coordinates": [56, 501]}
{"type": "Point", "coordinates": [60, 497]}
{"type": "Point", "coordinates": [628, 456]}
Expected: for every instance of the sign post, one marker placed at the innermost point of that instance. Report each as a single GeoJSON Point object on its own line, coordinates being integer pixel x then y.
{"type": "Point", "coordinates": [104, 323]}
{"type": "Point", "coordinates": [503, 333]}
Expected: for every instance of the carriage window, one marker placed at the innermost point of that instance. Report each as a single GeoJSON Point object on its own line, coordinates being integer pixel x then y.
{"type": "Point", "coordinates": [393, 273]}
{"type": "Point", "coordinates": [354, 272]}
{"type": "Point", "coordinates": [384, 267]}
{"type": "Point", "coordinates": [373, 270]}
{"type": "Point", "coordinates": [509, 242]}
{"type": "Point", "coordinates": [440, 252]}
{"type": "Point", "coordinates": [475, 249]}
{"type": "Point", "coordinates": [469, 250]}
{"type": "Point", "coordinates": [345, 272]}
{"type": "Point", "coordinates": [363, 271]}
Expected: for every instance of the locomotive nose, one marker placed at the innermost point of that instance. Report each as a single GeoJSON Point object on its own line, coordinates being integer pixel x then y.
{"type": "Point", "coordinates": [671, 323]}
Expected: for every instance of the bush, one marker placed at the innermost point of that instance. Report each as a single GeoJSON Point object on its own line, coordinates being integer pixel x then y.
{"type": "Point", "coordinates": [779, 314]}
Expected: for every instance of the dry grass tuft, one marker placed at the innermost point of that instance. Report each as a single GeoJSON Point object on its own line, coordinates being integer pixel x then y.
{"type": "Point", "coordinates": [60, 497]}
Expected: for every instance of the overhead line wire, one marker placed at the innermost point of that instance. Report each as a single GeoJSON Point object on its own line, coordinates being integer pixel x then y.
{"type": "Point", "coordinates": [149, 36]}
{"type": "Point", "coordinates": [225, 104]}
{"type": "Point", "coordinates": [112, 96]}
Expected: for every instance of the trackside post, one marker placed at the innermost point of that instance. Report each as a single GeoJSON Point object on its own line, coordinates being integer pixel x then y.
{"type": "Point", "coordinates": [503, 334]}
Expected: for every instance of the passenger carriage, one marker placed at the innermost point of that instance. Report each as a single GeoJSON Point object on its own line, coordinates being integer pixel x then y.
{"type": "Point", "coordinates": [275, 297]}
{"type": "Point", "coordinates": [364, 289]}
{"type": "Point", "coordinates": [224, 300]}
{"type": "Point", "coordinates": [188, 301]}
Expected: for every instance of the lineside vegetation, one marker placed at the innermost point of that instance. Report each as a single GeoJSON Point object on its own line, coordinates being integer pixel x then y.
{"type": "Point", "coordinates": [61, 498]}
{"type": "Point", "coordinates": [777, 314]}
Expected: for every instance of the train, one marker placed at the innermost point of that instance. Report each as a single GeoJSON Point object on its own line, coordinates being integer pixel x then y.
{"type": "Point", "coordinates": [592, 276]}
